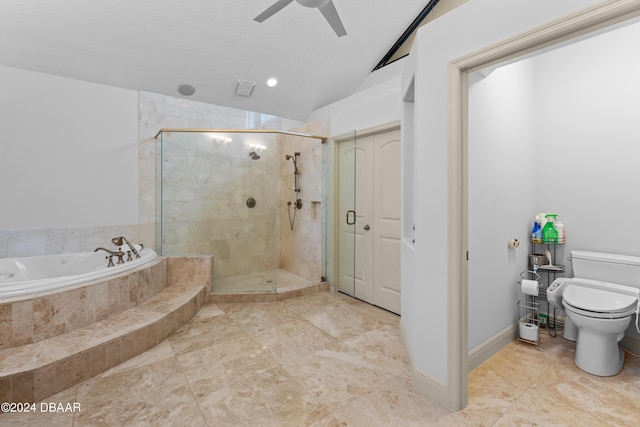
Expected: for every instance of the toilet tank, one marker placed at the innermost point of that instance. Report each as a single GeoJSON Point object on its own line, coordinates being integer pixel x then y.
{"type": "Point", "coordinates": [620, 269]}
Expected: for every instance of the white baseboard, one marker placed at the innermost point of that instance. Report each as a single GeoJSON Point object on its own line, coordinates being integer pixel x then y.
{"type": "Point", "coordinates": [432, 387]}
{"type": "Point", "coordinates": [407, 349]}
{"type": "Point", "coordinates": [484, 351]}
{"type": "Point", "coordinates": [425, 383]}
{"type": "Point", "coordinates": [436, 389]}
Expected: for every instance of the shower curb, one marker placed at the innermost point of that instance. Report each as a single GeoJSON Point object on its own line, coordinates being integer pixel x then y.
{"type": "Point", "coordinates": [278, 295]}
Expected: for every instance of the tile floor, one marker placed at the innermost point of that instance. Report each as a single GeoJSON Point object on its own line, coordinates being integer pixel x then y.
{"type": "Point", "coordinates": [326, 359]}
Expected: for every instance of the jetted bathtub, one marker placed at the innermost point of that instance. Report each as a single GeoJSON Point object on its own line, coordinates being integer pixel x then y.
{"type": "Point", "coordinates": [30, 275]}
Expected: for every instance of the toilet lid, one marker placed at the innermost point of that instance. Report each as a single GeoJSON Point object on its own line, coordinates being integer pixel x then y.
{"type": "Point", "coordinates": [598, 300]}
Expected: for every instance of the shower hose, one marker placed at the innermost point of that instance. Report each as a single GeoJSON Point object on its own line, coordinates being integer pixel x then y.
{"type": "Point", "coordinates": [292, 221]}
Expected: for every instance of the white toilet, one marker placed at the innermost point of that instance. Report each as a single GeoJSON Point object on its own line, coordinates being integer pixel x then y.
{"type": "Point", "coordinates": [599, 300]}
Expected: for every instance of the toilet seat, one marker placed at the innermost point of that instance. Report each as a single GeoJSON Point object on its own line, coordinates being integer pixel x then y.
{"type": "Point", "coordinates": [598, 303]}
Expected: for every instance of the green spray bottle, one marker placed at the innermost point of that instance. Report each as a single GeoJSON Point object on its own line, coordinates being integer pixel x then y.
{"type": "Point", "coordinates": [549, 232]}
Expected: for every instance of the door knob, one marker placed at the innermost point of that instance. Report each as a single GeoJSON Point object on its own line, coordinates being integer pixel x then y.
{"type": "Point", "coordinates": [366, 227]}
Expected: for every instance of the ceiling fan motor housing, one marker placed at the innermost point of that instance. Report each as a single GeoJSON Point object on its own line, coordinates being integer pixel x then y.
{"type": "Point", "coordinates": [326, 7]}
{"type": "Point", "coordinates": [312, 3]}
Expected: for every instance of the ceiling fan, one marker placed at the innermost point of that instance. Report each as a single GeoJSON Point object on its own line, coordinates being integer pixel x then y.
{"type": "Point", "coordinates": [326, 7]}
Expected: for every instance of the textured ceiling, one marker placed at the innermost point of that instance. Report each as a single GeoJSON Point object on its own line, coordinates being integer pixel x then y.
{"type": "Point", "coordinates": [156, 45]}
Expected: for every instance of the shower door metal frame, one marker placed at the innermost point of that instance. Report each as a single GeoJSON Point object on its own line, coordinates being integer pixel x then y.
{"type": "Point", "coordinates": [282, 132]}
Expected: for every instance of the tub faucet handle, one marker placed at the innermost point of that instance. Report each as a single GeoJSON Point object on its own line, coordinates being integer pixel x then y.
{"type": "Point", "coordinates": [111, 253]}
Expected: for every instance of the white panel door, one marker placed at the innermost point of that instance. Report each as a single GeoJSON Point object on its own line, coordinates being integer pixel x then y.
{"type": "Point", "coordinates": [346, 180]}
{"type": "Point", "coordinates": [364, 220]}
{"type": "Point", "coordinates": [386, 221]}
{"type": "Point", "coordinates": [375, 237]}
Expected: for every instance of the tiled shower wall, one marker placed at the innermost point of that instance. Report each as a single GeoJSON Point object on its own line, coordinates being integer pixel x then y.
{"type": "Point", "coordinates": [160, 111]}
{"type": "Point", "coordinates": [301, 248]}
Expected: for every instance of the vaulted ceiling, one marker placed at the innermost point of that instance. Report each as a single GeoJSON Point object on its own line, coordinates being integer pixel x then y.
{"type": "Point", "coordinates": [157, 45]}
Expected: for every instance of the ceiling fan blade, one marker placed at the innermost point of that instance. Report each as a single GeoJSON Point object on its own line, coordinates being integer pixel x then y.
{"type": "Point", "coordinates": [331, 15]}
{"type": "Point", "coordinates": [272, 10]}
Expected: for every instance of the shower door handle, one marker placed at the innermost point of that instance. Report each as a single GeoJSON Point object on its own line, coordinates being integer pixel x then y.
{"type": "Point", "coordinates": [351, 214]}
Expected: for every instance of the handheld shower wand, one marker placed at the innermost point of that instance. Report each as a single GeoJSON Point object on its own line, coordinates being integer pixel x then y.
{"type": "Point", "coordinates": [296, 189]}
{"type": "Point", "coordinates": [119, 241]}
{"type": "Point", "coordinates": [295, 161]}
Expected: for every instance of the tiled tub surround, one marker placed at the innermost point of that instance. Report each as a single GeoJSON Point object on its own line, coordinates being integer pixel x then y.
{"type": "Point", "coordinates": [24, 276]}
{"type": "Point", "coordinates": [101, 326]}
{"type": "Point", "coordinates": [32, 318]}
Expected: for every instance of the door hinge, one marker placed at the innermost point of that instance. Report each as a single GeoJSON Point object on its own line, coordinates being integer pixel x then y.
{"type": "Point", "coordinates": [467, 255]}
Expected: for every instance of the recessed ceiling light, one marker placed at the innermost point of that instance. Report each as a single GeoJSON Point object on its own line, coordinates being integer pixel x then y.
{"type": "Point", "coordinates": [186, 90]}
{"type": "Point", "coordinates": [272, 81]}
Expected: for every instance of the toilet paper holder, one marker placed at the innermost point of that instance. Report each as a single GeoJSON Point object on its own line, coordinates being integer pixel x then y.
{"type": "Point", "coordinates": [535, 274]}
{"type": "Point", "coordinates": [528, 312]}
{"type": "Point", "coordinates": [532, 285]}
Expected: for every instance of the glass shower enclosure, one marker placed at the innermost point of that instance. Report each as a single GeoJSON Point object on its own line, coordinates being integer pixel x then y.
{"type": "Point", "coordinates": [225, 193]}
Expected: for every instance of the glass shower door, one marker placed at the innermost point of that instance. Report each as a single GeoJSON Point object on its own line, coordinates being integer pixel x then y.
{"type": "Point", "coordinates": [219, 196]}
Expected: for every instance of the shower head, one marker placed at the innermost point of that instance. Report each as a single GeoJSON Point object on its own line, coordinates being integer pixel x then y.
{"type": "Point", "coordinates": [295, 162]}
